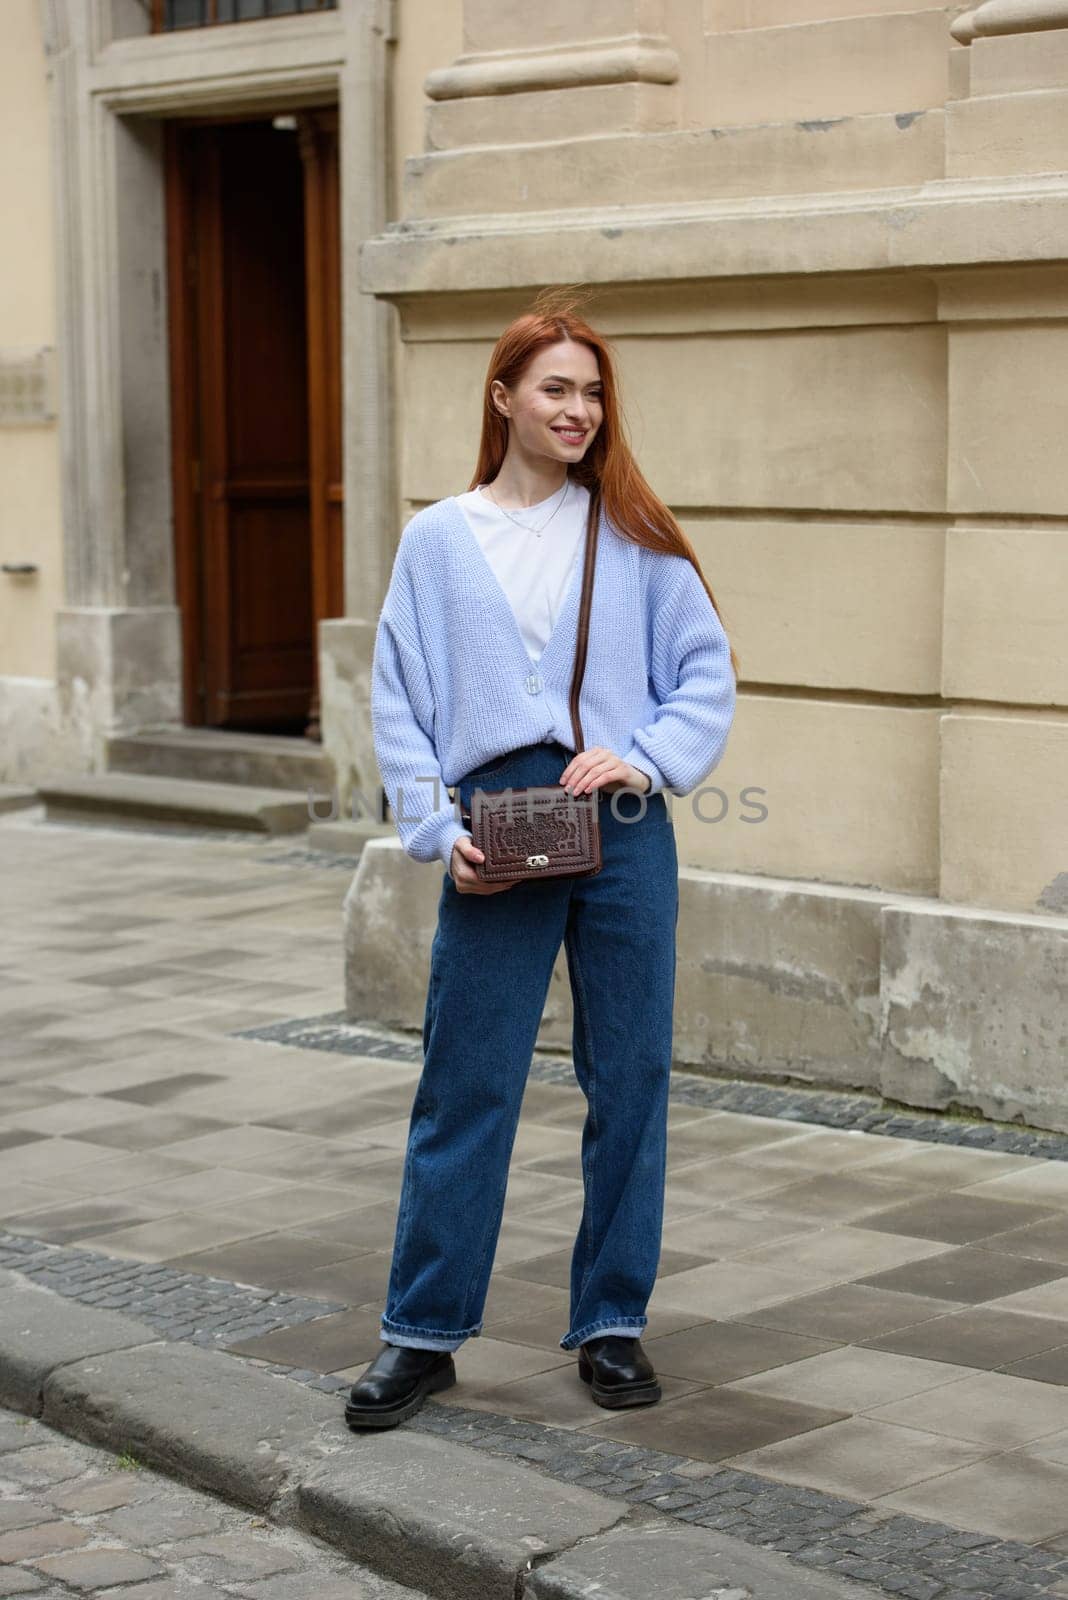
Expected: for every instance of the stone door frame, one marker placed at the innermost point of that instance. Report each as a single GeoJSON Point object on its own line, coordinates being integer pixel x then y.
{"type": "Point", "coordinates": [112, 84]}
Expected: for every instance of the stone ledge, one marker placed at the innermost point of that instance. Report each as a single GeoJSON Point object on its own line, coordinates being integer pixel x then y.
{"type": "Point", "coordinates": [937, 224]}
{"type": "Point", "coordinates": [840, 974]}
{"type": "Point", "coordinates": [35, 1341]}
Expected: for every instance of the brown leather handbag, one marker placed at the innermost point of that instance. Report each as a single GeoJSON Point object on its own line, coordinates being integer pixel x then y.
{"type": "Point", "coordinates": [543, 831]}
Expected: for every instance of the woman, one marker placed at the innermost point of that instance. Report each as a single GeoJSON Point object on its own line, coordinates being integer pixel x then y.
{"type": "Point", "coordinates": [470, 686]}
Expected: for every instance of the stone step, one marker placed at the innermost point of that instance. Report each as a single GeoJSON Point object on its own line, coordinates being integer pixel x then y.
{"type": "Point", "coordinates": [133, 798]}
{"type": "Point", "coordinates": [15, 796]}
{"type": "Point", "coordinates": [346, 837]}
{"type": "Point", "coordinates": [217, 755]}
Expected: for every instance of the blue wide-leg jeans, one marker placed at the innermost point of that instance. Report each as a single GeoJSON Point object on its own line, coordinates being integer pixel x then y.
{"type": "Point", "coordinates": [491, 963]}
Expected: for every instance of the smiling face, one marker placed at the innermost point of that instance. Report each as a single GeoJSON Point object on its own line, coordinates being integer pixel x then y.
{"type": "Point", "coordinates": [556, 408]}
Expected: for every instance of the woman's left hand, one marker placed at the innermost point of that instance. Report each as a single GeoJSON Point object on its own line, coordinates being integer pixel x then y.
{"type": "Point", "coordinates": [598, 768]}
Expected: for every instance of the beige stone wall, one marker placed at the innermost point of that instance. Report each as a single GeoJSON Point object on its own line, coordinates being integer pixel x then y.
{"type": "Point", "coordinates": [30, 525]}
{"type": "Point", "coordinates": [869, 457]}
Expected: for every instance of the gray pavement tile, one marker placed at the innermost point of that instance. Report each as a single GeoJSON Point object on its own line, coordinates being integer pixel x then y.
{"type": "Point", "coordinates": [40, 1539]}
{"type": "Point", "coordinates": [969, 1274]}
{"type": "Point", "coordinates": [547, 1327]}
{"type": "Point", "coordinates": [265, 1259]}
{"type": "Point", "coordinates": [159, 1090]}
{"type": "Point", "coordinates": [93, 1569]}
{"type": "Point", "coordinates": [860, 1458]}
{"type": "Point", "coordinates": [162, 1128]}
{"type": "Point", "coordinates": [1051, 1366]}
{"type": "Point", "coordinates": [555, 1267]}
{"type": "Point", "coordinates": [980, 1337]}
{"type": "Point", "coordinates": [1014, 1496]}
{"type": "Point", "coordinates": [556, 1396]}
{"type": "Point", "coordinates": [1043, 1241]}
{"type": "Point", "coordinates": [354, 1280]}
{"type": "Point", "coordinates": [847, 1312]}
{"type": "Point", "coordinates": [851, 1379]}
{"type": "Point", "coordinates": [331, 1342]}
{"type": "Point", "coordinates": [83, 1219]}
{"type": "Point", "coordinates": [840, 1197]}
{"type": "Point", "coordinates": [957, 1218]}
{"type": "Point", "coordinates": [718, 1352]}
{"type": "Point", "coordinates": [716, 1424]}
{"type": "Point", "coordinates": [988, 1408]}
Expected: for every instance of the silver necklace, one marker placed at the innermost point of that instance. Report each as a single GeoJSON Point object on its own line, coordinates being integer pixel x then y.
{"type": "Point", "coordinates": [526, 525]}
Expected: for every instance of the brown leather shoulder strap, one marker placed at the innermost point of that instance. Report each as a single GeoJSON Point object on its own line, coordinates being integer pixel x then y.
{"type": "Point", "coordinates": [583, 635]}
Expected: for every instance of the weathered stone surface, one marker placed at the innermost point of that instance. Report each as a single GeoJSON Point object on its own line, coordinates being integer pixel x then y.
{"type": "Point", "coordinates": [440, 1517]}
{"type": "Point", "coordinates": [34, 1340]}
{"type": "Point", "coordinates": [677, 1563]}
{"type": "Point", "coordinates": [198, 1414]}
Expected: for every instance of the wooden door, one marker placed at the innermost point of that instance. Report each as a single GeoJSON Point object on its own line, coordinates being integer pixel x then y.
{"type": "Point", "coordinates": [250, 440]}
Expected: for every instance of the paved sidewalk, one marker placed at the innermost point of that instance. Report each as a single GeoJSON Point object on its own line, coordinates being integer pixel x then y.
{"type": "Point", "coordinates": [878, 1319]}
{"type": "Point", "coordinates": [77, 1520]}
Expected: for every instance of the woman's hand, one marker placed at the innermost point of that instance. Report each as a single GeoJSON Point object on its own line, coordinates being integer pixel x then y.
{"type": "Point", "coordinates": [464, 876]}
{"type": "Point", "coordinates": [598, 768]}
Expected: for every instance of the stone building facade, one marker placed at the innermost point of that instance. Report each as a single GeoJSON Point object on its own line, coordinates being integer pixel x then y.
{"type": "Point", "coordinates": [829, 240]}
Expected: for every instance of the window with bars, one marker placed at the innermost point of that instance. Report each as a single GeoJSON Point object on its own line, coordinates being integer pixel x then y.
{"type": "Point", "coordinates": [169, 15]}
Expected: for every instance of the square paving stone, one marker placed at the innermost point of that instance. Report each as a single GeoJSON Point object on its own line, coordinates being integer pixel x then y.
{"type": "Point", "coordinates": [159, 1090]}
{"type": "Point", "coordinates": [987, 1408]}
{"type": "Point", "coordinates": [956, 1218]}
{"type": "Point", "coordinates": [23, 1514]}
{"type": "Point", "coordinates": [43, 1538]}
{"type": "Point", "coordinates": [556, 1397]}
{"type": "Point", "coordinates": [370, 1228]}
{"type": "Point", "coordinates": [1043, 1241]}
{"type": "Point", "coordinates": [839, 1197]}
{"type": "Point", "coordinates": [1012, 1496]}
{"type": "Point", "coordinates": [355, 1280]}
{"type": "Point", "coordinates": [510, 1297]}
{"type": "Point", "coordinates": [10, 1137]}
{"type": "Point", "coordinates": [713, 1424]}
{"type": "Point", "coordinates": [93, 1569]}
{"type": "Point", "coordinates": [718, 1352]}
{"type": "Point", "coordinates": [1041, 1183]}
{"type": "Point", "coordinates": [264, 1260]}
{"type": "Point", "coordinates": [1044, 1300]}
{"type": "Point", "coordinates": [179, 1235]}
{"type": "Point", "coordinates": [1051, 1366]}
{"type": "Point", "coordinates": [83, 1219]}
{"type": "Point", "coordinates": [20, 1580]}
{"type": "Point", "coordinates": [546, 1328]}
{"type": "Point", "coordinates": [325, 1344]}
{"type": "Point", "coordinates": [848, 1379]}
{"type": "Point", "coordinates": [163, 1128]}
{"type": "Point", "coordinates": [836, 1255]}
{"type": "Point", "coordinates": [725, 1231]}
{"type": "Point", "coordinates": [981, 1337]}
{"type": "Point", "coordinates": [968, 1273]}
{"type": "Point", "coordinates": [860, 1458]}
{"type": "Point", "coordinates": [725, 1133]}
{"type": "Point", "coordinates": [731, 1288]}
{"type": "Point", "coordinates": [555, 1267]}
{"type": "Point", "coordinates": [718, 1180]}
{"type": "Point", "coordinates": [848, 1312]}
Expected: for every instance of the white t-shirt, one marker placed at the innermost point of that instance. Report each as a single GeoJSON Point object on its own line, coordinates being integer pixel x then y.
{"type": "Point", "coordinates": [534, 562]}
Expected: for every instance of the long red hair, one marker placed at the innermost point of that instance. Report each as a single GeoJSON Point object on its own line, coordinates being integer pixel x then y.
{"type": "Point", "coordinates": [608, 467]}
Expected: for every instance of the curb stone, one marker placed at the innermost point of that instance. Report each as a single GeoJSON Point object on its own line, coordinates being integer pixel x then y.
{"type": "Point", "coordinates": [442, 1517]}
{"type": "Point", "coordinates": [438, 1515]}
{"type": "Point", "coordinates": [679, 1563]}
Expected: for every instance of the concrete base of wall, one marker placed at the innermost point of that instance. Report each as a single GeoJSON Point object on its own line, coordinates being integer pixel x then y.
{"type": "Point", "coordinates": [934, 1005]}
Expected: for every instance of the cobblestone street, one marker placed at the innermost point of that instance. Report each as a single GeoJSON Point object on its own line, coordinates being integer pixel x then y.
{"type": "Point", "coordinates": [862, 1337]}
{"type": "Point", "coordinates": [77, 1519]}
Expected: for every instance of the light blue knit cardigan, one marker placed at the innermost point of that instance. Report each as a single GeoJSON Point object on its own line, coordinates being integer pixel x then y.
{"type": "Point", "coordinates": [452, 684]}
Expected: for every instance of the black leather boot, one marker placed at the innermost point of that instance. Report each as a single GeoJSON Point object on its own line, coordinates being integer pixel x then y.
{"type": "Point", "coordinates": [618, 1371]}
{"type": "Point", "coordinates": [394, 1386]}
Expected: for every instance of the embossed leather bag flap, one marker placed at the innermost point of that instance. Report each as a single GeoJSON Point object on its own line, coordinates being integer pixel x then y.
{"type": "Point", "coordinates": [536, 831]}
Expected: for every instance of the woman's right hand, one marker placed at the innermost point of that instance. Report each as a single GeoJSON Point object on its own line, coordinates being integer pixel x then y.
{"type": "Point", "coordinates": [463, 874]}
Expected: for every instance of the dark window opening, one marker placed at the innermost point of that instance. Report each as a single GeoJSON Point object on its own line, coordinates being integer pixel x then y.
{"type": "Point", "coordinates": [169, 15]}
